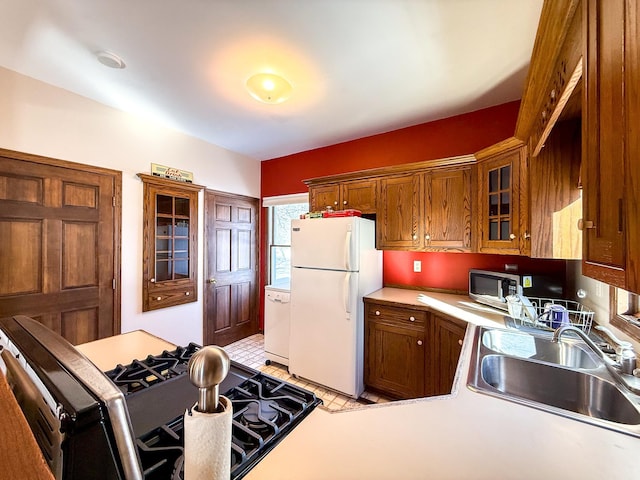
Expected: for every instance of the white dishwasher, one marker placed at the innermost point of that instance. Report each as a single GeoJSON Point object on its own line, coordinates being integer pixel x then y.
{"type": "Point", "coordinates": [276, 323]}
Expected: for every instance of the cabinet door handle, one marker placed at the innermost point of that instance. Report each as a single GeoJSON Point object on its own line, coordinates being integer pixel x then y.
{"type": "Point", "coordinates": [153, 280]}
{"type": "Point", "coordinates": [460, 342]}
{"type": "Point", "coordinates": [187, 293]}
{"type": "Point", "coordinates": [512, 236]}
{"type": "Point", "coordinates": [212, 280]}
{"type": "Point", "coordinates": [585, 224]}
{"type": "Point", "coordinates": [413, 319]}
{"type": "Point", "coordinates": [427, 237]}
{"type": "Point", "coordinates": [158, 298]}
{"type": "Point", "coordinates": [526, 235]}
{"type": "Point", "coordinates": [378, 312]}
{"type": "Point", "coordinates": [344, 202]}
{"type": "Point", "coordinates": [415, 237]}
{"type": "Point", "coordinates": [419, 342]}
{"type": "Point", "coordinates": [335, 203]}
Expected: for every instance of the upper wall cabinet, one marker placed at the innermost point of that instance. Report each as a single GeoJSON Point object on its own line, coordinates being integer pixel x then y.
{"type": "Point", "coordinates": [356, 194]}
{"type": "Point", "coordinates": [549, 124]}
{"type": "Point", "coordinates": [447, 209]}
{"type": "Point", "coordinates": [423, 206]}
{"type": "Point", "coordinates": [170, 242]}
{"type": "Point", "coordinates": [398, 220]}
{"type": "Point", "coordinates": [553, 87]}
{"type": "Point", "coordinates": [502, 225]}
{"type": "Point", "coordinates": [611, 154]}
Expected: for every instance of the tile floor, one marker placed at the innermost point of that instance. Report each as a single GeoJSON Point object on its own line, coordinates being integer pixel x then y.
{"type": "Point", "coordinates": [250, 351]}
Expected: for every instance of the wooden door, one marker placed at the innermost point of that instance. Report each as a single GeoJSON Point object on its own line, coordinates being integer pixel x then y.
{"type": "Point", "coordinates": [60, 245]}
{"type": "Point", "coordinates": [603, 162]}
{"type": "Point", "coordinates": [231, 268]}
{"type": "Point", "coordinates": [396, 359]}
{"type": "Point", "coordinates": [398, 220]}
{"type": "Point", "coordinates": [323, 196]}
{"type": "Point", "coordinates": [448, 210]}
{"type": "Point", "coordinates": [499, 203]}
{"type": "Point", "coordinates": [360, 195]}
{"type": "Point", "coordinates": [447, 345]}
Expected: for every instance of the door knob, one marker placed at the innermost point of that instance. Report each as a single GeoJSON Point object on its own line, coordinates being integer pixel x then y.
{"type": "Point", "coordinates": [212, 280]}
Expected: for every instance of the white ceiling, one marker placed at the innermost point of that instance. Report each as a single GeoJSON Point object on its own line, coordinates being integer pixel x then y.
{"type": "Point", "coordinates": [358, 67]}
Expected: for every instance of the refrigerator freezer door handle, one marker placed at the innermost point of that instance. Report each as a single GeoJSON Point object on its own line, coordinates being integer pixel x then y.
{"type": "Point", "coordinates": [346, 293]}
{"type": "Point", "coordinates": [347, 250]}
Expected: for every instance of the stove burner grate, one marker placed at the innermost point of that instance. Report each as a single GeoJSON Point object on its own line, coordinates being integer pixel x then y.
{"type": "Point", "coordinates": [141, 374]}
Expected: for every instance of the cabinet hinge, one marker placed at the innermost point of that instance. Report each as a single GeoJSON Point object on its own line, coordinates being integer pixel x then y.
{"type": "Point", "coordinates": [113, 283]}
{"type": "Point", "coordinates": [114, 200]}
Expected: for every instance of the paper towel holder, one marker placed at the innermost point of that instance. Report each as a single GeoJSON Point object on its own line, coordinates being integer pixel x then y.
{"type": "Point", "coordinates": [208, 368]}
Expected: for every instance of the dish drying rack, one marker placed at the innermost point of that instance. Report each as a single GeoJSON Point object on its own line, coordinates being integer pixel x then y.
{"type": "Point", "coordinates": [579, 315]}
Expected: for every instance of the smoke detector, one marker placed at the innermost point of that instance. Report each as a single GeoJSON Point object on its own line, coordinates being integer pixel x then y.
{"type": "Point", "coordinates": [110, 60]}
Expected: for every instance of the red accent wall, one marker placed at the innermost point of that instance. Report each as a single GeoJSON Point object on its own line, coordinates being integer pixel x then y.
{"type": "Point", "coordinates": [459, 135]}
{"type": "Point", "coordinates": [450, 137]}
{"type": "Point", "coordinates": [450, 271]}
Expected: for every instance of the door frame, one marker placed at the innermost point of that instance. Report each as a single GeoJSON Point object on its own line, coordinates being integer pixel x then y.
{"type": "Point", "coordinates": [207, 235]}
{"type": "Point", "coordinates": [116, 175]}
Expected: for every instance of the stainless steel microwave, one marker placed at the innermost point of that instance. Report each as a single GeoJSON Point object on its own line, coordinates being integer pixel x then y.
{"type": "Point", "coordinates": [492, 288]}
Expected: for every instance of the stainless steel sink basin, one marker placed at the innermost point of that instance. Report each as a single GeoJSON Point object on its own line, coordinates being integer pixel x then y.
{"type": "Point", "coordinates": [523, 345]}
{"type": "Point", "coordinates": [560, 378]}
{"type": "Point", "coordinates": [562, 388]}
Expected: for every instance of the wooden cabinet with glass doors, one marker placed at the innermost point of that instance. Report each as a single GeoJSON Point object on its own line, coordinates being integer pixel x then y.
{"type": "Point", "coordinates": [502, 206]}
{"type": "Point", "coordinates": [170, 236]}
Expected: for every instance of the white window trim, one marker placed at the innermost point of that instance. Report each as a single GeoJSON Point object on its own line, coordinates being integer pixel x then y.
{"type": "Point", "coordinates": [285, 199]}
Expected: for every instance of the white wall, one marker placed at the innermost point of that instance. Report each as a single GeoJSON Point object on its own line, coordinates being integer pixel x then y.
{"type": "Point", "coordinates": [45, 120]}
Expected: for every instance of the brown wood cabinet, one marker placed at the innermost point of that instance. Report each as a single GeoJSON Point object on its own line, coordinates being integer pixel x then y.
{"type": "Point", "coordinates": [502, 225]}
{"type": "Point", "coordinates": [357, 194]}
{"type": "Point", "coordinates": [410, 352]}
{"type": "Point", "coordinates": [447, 217]}
{"type": "Point", "coordinates": [398, 218]}
{"type": "Point", "coordinates": [611, 147]}
{"type": "Point", "coordinates": [419, 206]}
{"type": "Point", "coordinates": [448, 335]}
{"type": "Point", "coordinates": [395, 350]}
{"type": "Point", "coordinates": [170, 243]}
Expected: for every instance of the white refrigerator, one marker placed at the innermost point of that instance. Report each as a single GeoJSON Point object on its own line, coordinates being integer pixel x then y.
{"type": "Point", "coordinates": [334, 264]}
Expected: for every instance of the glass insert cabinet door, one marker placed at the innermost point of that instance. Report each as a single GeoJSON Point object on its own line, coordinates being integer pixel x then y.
{"type": "Point", "coordinates": [172, 255]}
{"type": "Point", "coordinates": [170, 236]}
{"type": "Point", "coordinates": [500, 189]}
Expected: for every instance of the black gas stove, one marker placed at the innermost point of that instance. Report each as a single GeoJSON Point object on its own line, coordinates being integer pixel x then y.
{"type": "Point", "coordinates": [127, 423]}
{"type": "Point", "coordinates": [265, 409]}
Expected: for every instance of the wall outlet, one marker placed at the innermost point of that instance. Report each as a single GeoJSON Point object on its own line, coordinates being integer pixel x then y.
{"type": "Point", "coordinates": [417, 266]}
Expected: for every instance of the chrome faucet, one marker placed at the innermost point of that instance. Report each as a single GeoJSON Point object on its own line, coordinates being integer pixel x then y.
{"type": "Point", "coordinates": [570, 328]}
{"type": "Point", "coordinates": [625, 364]}
{"type": "Point", "coordinates": [625, 355]}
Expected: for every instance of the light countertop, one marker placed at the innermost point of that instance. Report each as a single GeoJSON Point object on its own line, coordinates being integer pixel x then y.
{"type": "Point", "coordinates": [108, 352]}
{"type": "Point", "coordinates": [465, 435]}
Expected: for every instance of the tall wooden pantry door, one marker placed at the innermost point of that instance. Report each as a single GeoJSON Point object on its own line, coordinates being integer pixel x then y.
{"type": "Point", "coordinates": [60, 245]}
{"type": "Point", "coordinates": [231, 268]}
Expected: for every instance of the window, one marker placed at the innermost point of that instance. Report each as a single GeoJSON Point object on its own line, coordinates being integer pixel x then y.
{"type": "Point", "coordinates": [281, 212]}
{"type": "Point", "coordinates": [625, 311]}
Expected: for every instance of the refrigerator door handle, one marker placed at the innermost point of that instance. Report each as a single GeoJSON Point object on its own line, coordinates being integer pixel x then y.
{"type": "Point", "coordinates": [347, 250]}
{"type": "Point", "coordinates": [346, 293]}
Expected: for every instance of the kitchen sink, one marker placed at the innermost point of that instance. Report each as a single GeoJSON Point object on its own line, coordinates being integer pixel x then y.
{"type": "Point", "coordinates": [570, 390]}
{"type": "Point", "coordinates": [564, 378]}
{"type": "Point", "coordinates": [534, 347]}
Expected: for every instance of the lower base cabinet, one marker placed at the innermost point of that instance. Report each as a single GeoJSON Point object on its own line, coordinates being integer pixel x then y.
{"type": "Point", "coordinates": [410, 352]}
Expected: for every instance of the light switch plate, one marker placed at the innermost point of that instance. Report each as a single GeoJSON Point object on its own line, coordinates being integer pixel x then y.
{"type": "Point", "coordinates": [417, 266]}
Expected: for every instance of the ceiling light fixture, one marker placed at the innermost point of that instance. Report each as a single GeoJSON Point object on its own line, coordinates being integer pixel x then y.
{"type": "Point", "coordinates": [269, 88]}
{"type": "Point", "coordinates": [110, 60]}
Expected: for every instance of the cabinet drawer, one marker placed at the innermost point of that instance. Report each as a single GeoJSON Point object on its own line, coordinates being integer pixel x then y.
{"type": "Point", "coordinates": [162, 297]}
{"type": "Point", "coordinates": [396, 314]}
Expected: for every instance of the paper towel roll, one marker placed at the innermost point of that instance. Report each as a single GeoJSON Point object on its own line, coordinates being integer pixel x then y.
{"type": "Point", "coordinates": [207, 443]}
